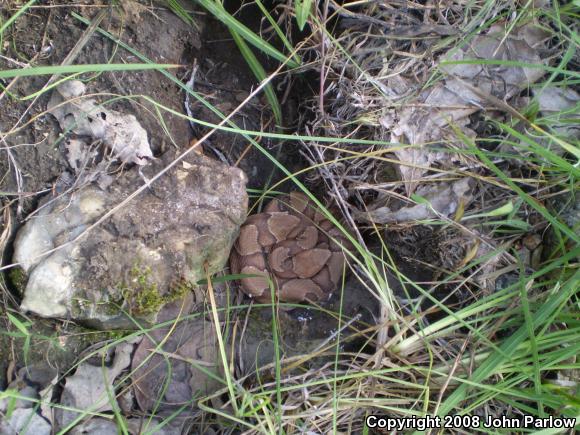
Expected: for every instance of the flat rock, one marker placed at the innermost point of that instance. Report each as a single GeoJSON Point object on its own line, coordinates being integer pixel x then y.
{"type": "Point", "coordinates": [143, 258]}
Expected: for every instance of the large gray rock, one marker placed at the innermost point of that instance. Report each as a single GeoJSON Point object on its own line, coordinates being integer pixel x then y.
{"type": "Point", "coordinates": [144, 257]}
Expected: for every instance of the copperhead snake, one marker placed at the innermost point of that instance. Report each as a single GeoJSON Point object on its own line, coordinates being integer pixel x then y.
{"type": "Point", "coordinates": [292, 243]}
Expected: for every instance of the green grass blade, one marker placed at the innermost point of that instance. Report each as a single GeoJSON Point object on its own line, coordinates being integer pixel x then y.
{"type": "Point", "coordinates": [14, 17]}
{"type": "Point", "coordinates": [219, 12]}
{"type": "Point", "coordinates": [302, 8]}
{"type": "Point", "coordinates": [490, 365]}
{"type": "Point", "coordinates": [260, 74]}
{"type": "Point", "coordinates": [278, 30]}
{"type": "Point", "coordinates": [68, 69]}
{"type": "Point", "coordinates": [529, 324]}
{"type": "Point", "coordinates": [534, 204]}
{"type": "Point", "coordinates": [180, 11]}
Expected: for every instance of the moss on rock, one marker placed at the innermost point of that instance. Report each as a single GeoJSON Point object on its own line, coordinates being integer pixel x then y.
{"type": "Point", "coordinates": [18, 278]}
{"type": "Point", "coordinates": [143, 296]}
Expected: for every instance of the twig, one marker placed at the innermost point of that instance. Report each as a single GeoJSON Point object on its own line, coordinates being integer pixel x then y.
{"type": "Point", "coordinates": [335, 334]}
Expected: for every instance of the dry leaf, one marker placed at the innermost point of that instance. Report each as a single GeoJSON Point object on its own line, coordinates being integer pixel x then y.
{"type": "Point", "coordinates": [427, 118]}
{"type": "Point", "coordinates": [84, 117]}
{"type": "Point", "coordinates": [24, 421]}
{"type": "Point", "coordinates": [553, 100]}
{"type": "Point", "coordinates": [87, 388]}
{"type": "Point", "coordinates": [95, 426]}
{"type": "Point", "coordinates": [444, 199]}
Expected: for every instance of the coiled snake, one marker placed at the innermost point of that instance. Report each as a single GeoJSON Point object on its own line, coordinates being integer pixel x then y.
{"type": "Point", "coordinates": [296, 245]}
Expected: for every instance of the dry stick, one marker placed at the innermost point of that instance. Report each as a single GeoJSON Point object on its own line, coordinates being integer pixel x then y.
{"type": "Point", "coordinates": [322, 58]}
{"type": "Point", "coordinates": [67, 5]}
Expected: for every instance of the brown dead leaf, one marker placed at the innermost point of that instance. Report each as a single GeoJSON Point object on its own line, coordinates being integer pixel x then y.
{"type": "Point", "coordinates": [563, 103]}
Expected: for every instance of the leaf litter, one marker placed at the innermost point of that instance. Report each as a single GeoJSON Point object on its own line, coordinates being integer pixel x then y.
{"type": "Point", "coordinates": [91, 386]}
{"type": "Point", "coordinates": [90, 121]}
{"type": "Point", "coordinates": [184, 368]}
{"type": "Point", "coordinates": [561, 107]}
{"type": "Point", "coordinates": [428, 117]}
{"type": "Point", "coordinates": [161, 378]}
{"type": "Point", "coordinates": [431, 117]}
{"type": "Point", "coordinates": [493, 66]}
{"type": "Point", "coordinates": [32, 384]}
{"type": "Point", "coordinates": [435, 199]}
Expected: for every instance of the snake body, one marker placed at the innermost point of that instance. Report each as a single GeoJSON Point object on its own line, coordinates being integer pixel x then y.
{"type": "Point", "coordinates": [296, 246]}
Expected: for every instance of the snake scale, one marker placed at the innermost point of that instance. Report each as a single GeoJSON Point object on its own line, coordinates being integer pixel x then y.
{"type": "Point", "coordinates": [296, 246]}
